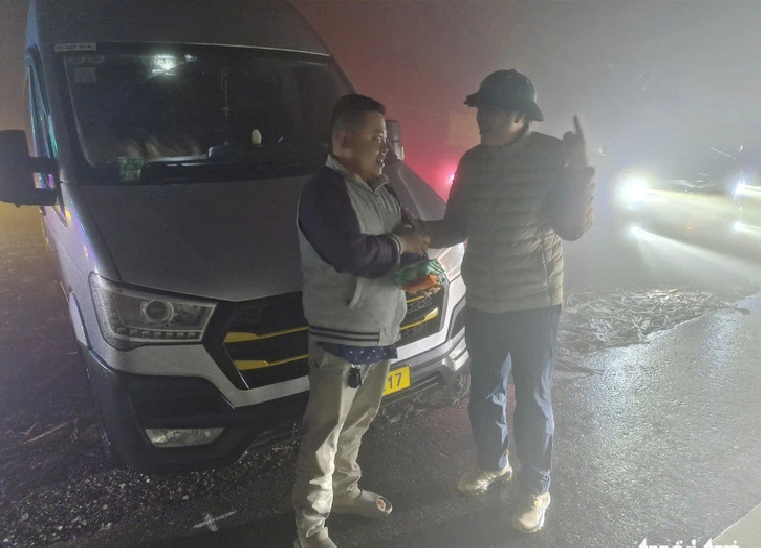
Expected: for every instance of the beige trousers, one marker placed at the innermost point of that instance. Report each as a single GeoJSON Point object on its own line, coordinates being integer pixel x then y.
{"type": "Point", "coordinates": [336, 418]}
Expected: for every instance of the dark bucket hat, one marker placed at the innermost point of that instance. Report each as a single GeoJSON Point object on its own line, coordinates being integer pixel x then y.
{"type": "Point", "coordinates": [508, 89]}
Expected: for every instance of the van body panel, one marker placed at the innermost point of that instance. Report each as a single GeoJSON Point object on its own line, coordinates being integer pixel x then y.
{"type": "Point", "coordinates": [78, 249]}
{"type": "Point", "coordinates": [225, 241]}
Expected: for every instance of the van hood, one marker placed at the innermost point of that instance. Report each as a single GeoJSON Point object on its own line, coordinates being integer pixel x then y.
{"type": "Point", "coordinates": [224, 241]}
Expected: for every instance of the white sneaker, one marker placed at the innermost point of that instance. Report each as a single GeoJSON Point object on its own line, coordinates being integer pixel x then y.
{"type": "Point", "coordinates": [478, 481]}
{"type": "Point", "coordinates": [318, 540]}
{"type": "Point", "coordinates": [529, 515]}
{"type": "Point", "coordinates": [323, 543]}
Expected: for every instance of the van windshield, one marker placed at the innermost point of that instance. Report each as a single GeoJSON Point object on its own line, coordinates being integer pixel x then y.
{"type": "Point", "coordinates": [136, 104]}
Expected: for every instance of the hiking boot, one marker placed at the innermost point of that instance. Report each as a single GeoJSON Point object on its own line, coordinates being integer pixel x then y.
{"type": "Point", "coordinates": [529, 515]}
{"type": "Point", "coordinates": [478, 481]}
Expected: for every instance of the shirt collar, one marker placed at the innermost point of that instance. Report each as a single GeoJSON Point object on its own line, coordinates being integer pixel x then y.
{"type": "Point", "coordinates": [335, 165]}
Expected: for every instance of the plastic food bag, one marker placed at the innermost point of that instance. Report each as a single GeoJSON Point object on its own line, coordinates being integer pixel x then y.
{"type": "Point", "coordinates": [425, 275]}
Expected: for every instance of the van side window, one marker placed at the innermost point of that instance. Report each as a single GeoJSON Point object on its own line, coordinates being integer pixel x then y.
{"type": "Point", "coordinates": [42, 144]}
{"type": "Point", "coordinates": [316, 85]}
{"type": "Point", "coordinates": [44, 141]}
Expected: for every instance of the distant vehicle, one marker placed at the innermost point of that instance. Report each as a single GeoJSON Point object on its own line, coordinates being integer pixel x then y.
{"type": "Point", "coordinates": [172, 142]}
{"type": "Point", "coordinates": [683, 196]}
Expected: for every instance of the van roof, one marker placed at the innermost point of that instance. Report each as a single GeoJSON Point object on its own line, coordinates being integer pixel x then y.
{"type": "Point", "coordinates": [272, 24]}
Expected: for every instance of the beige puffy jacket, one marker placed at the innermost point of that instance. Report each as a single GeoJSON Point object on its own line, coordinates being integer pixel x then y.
{"type": "Point", "coordinates": [513, 204]}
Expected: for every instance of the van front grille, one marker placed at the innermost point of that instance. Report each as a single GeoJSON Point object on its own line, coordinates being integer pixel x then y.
{"type": "Point", "coordinates": [265, 341]}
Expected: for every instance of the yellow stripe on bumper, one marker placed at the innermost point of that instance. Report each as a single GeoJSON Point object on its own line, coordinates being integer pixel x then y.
{"type": "Point", "coordinates": [248, 365]}
{"type": "Point", "coordinates": [236, 336]}
{"type": "Point", "coordinates": [428, 317]}
{"type": "Point", "coordinates": [240, 336]}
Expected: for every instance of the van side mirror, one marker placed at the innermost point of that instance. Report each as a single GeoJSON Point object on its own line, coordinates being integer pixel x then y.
{"type": "Point", "coordinates": [394, 132]}
{"type": "Point", "coordinates": [17, 169]}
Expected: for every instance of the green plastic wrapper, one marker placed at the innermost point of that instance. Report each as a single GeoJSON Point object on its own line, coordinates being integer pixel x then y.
{"type": "Point", "coordinates": [129, 169]}
{"type": "Point", "coordinates": [404, 277]}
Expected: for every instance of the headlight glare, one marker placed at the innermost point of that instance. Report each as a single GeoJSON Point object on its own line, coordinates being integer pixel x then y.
{"type": "Point", "coordinates": [451, 260]}
{"type": "Point", "coordinates": [635, 190]}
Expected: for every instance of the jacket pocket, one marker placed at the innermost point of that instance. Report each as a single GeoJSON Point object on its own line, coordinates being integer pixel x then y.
{"type": "Point", "coordinates": [359, 285]}
{"type": "Point", "coordinates": [401, 309]}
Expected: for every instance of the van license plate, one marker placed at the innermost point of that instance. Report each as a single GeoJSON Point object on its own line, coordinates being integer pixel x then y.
{"type": "Point", "coordinates": [398, 380]}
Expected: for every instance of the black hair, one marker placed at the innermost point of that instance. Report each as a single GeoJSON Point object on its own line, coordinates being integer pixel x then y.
{"type": "Point", "coordinates": [351, 109]}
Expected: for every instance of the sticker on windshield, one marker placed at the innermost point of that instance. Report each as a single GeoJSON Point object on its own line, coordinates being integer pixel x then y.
{"type": "Point", "coordinates": [85, 75]}
{"type": "Point", "coordinates": [92, 59]}
{"type": "Point", "coordinates": [76, 46]}
{"type": "Point", "coordinates": [129, 169]}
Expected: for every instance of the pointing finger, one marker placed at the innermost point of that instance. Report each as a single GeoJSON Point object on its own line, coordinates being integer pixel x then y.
{"type": "Point", "coordinates": [577, 127]}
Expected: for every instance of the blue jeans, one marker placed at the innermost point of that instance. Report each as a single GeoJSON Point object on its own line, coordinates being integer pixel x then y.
{"type": "Point", "coordinates": [524, 342]}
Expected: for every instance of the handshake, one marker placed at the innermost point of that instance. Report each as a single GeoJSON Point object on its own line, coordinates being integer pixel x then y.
{"type": "Point", "coordinates": [412, 239]}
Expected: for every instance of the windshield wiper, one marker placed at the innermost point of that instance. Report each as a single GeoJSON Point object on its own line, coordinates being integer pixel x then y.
{"type": "Point", "coordinates": [203, 169]}
{"type": "Point", "coordinates": [227, 151]}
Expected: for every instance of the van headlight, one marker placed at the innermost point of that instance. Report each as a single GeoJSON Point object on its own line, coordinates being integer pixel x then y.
{"type": "Point", "coordinates": [451, 260]}
{"type": "Point", "coordinates": [129, 317]}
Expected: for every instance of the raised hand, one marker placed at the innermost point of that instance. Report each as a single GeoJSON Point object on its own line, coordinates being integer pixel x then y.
{"type": "Point", "coordinates": [575, 147]}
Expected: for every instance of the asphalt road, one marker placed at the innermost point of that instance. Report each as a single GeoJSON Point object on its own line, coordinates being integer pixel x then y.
{"type": "Point", "coordinates": [664, 444]}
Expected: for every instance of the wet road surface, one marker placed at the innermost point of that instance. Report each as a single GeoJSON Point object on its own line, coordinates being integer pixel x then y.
{"type": "Point", "coordinates": [664, 444]}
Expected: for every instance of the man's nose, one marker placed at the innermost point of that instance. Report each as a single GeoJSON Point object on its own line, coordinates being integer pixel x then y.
{"type": "Point", "coordinates": [384, 146]}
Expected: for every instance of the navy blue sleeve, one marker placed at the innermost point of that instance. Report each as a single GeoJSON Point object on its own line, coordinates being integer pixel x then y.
{"type": "Point", "coordinates": [407, 219]}
{"type": "Point", "coordinates": [329, 222]}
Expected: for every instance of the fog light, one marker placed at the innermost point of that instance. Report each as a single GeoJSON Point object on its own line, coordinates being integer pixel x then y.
{"type": "Point", "coordinates": [636, 230]}
{"type": "Point", "coordinates": [738, 226]}
{"type": "Point", "coordinates": [186, 437]}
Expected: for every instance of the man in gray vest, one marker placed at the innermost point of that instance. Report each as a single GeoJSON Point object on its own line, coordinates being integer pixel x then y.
{"type": "Point", "coordinates": [513, 198]}
{"type": "Point", "coordinates": [352, 234]}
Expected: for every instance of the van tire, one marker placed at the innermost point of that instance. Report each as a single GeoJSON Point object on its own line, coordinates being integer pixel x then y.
{"type": "Point", "coordinates": [101, 444]}
{"type": "Point", "coordinates": [97, 445]}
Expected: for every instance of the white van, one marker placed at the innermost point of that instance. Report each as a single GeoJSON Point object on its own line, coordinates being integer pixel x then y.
{"type": "Point", "coordinates": [172, 141]}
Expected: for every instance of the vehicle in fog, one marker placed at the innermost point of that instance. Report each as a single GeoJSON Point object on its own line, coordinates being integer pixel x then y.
{"type": "Point", "coordinates": [706, 197]}
{"type": "Point", "coordinates": [172, 143]}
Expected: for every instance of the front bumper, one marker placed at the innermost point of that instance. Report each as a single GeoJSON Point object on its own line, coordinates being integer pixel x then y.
{"type": "Point", "coordinates": [130, 403]}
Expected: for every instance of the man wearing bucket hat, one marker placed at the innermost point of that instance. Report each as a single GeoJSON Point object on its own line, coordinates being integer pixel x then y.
{"type": "Point", "coordinates": [514, 197]}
